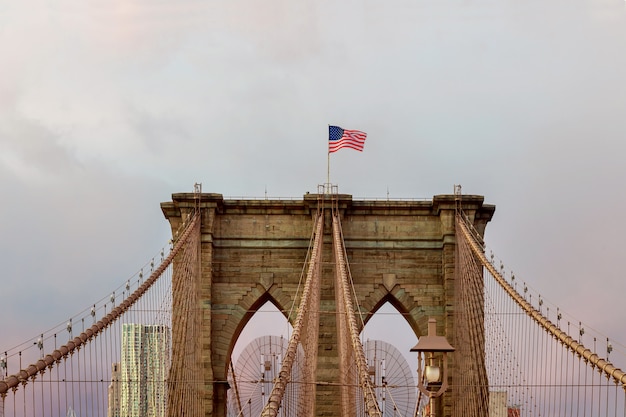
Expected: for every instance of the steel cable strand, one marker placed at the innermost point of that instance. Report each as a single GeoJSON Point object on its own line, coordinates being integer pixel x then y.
{"type": "Point", "coordinates": [346, 359]}
{"type": "Point", "coordinates": [184, 372]}
{"type": "Point", "coordinates": [393, 401]}
{"type": "Point", "coordinates": [345, 309]}
{"type": "Point", "coordinates": [605, 366]}
{"type": "Point", "coordinates": [177, 387]}
{"type": "Point", "coordinates": [516, 323]}
{"type": "Point", "coordinates": [13, 381]}
{"type": "Point", "coordinates": [474, 316]}
{"type": "Point", "coordinates": [498, 323]}
{"type": "Point", "coordinates": [471, 263]}
{"type": "Point", "coordinates": [348, 371]}
{"type": "Point", "coordinates": [365, 381]}
{"type": "Point", "coordinates": [493, 351]}
{"type": "Point", "coordinates": [539, 379]}
{"type": "Point", "coordinates": [478, 341]}
{"type": "Point", "coordinates": [469, 379]}
{"type": "Point", "coordinates": [309, 339]}
{"type": "Point", "coordinates": [196, 367]}
{"type": "Point", "coordinates": [349, 273]}
{"type": "Point", "coordinates": [472, 382]}
{"type": "Point", "coordinates": [476, 346]}
{"type": "Point", "coordinates": [276, 395]}
{"type": "Point", "coordinates": [460, 377]}
{"type": "Point", "coordinates": [302, 273]}
{"type": "Point", "coordinates": [550, 365]}
{"type": "Point", "coordinates": [504, 352]}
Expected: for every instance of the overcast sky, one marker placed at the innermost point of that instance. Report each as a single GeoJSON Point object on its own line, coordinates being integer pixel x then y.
{"type": "Point", "coordinates": [107, 108]}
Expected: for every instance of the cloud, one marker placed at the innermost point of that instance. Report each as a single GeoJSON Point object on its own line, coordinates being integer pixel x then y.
{"type": "Point", "coordinates": [29, 151]}
{"type": "Point", "coordinates": [106, 109]}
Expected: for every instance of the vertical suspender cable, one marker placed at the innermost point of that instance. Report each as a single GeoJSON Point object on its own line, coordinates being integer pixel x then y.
{"type": "Point", "coordinates": [606, 367]}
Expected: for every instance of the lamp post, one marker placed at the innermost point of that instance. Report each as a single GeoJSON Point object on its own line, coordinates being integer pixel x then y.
{"type": "Point", "coordinates": [426, 348]}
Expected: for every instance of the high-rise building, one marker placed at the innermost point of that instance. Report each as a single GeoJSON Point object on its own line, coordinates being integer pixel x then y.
{"type": "Point", "coordinates": [143, 367]}
{"type": "Point", "coordinates": [113, 409]}
{"type": "Point", "coordinates": [497, 404]}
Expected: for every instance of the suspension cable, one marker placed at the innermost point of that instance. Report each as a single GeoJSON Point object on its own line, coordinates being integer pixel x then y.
{"type": "Point", "coordinates": [371, 404]}
{"type": "Point", "coordinates": [604, 366]}
{"type": "Point", "coordinates": [13, 381]}
{"type": "Point", "coordinates": [311, 287]}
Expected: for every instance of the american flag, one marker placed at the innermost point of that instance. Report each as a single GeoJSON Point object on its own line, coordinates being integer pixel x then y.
{"type": "Point", "coordinates": [343, 138]}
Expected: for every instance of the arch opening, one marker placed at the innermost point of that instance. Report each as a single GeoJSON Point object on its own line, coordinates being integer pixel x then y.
{"type": "Point", "coordinates": [256, 359]}
{"type": "Point", "coordinates": [268, 320]}
{"type": "Point", "coordinates": [390, 325]}
{"type": "Point", "coordinates": [387, 339]}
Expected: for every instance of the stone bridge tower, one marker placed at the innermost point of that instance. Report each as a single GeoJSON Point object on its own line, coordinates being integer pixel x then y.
{"type": "Point", "coordinates": [253, 251]}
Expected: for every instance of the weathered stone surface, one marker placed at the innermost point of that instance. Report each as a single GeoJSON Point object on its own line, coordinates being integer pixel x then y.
{"type": "Point", "coordinates": [253, 251]}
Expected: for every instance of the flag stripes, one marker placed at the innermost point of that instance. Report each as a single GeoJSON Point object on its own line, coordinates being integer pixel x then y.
{"type": "Point", "coordinates": [343, 138]}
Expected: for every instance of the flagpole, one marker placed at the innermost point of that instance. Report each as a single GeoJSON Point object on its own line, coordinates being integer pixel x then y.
{"type": "Point", "coordinates": [328, 171]}
{"type": "Point", "coordinates": [328, 165]}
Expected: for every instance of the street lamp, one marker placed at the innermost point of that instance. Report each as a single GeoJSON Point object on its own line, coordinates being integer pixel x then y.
{"type": "Point", "coordinates": [428, 345]}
